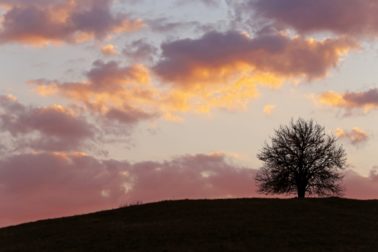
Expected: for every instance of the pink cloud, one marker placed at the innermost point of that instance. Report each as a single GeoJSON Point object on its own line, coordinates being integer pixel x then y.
{"type": "Point", "coordinates": [198, 176]}
{"type": "Point", "coordinates": [369, 97]}
{"type": "Point", "coordinates": [345, 17]}
{"type": "Point", "coordinates": [41, 22]}
{"type": "Point", "coordinates": [46, 185]}
{"type": "Point", "coordinates": [52, 128]}
{"type": "Point", "coordinates": [35, 186]}
{"type": "Point", "coordinates": [128, 115]}
{"type": "Point", "coordinates": [361, 187]}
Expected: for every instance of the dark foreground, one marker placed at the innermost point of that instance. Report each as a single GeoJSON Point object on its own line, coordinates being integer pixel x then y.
{"type": "Point", "coordinates": [202, 225]}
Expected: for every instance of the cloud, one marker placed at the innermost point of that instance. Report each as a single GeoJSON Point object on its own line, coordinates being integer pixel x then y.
{"type": "Point", "coordinates": [58, 184]}
{"type": "Point", "coordinates": [110, 90]}
{"type": "Point", "coordinates": [109, 50]}
{"type": "Point", "coordinates": [209, 3]}
{"type": "Point", "coordinates": [355, 136]}
{"type": "Point", "coordinates": [344, 17]}
{"type": "Point", "coordinates": [268, 109]}
{"type": "Point", "coordinates": [43, 128]}
{"type": "Point", "coordinates": [191, 176]}
{"type": "Point", "coordinates": [361, 187]}
{"type": "Point", "coordinates": [128, 94]}
{"type": "Point", "coordinates": [127, 115]}
{"type": "Point", "coordinates": [216, 55]}
{"type": "Point", "coordinates": [224, 70]}
{"type": "Point", "coordinates": [165, 25]}
{"type": "Point", "coordinates": [71, 21]}
{"type": "Point", "coordinates": [140, 51]}
{"type": "Point", "coordinates": [364, 100]}
{"type": "Point", "coordinates": [215, 71]}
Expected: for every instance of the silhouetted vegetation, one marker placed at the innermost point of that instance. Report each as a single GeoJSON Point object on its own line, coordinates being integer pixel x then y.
{"type": "Point", "coordinates": [204, 225]}
{"type": "Point", "coordinates": [301, 159]}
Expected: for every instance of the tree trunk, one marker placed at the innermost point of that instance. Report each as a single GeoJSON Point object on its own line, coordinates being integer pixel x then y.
{"type": "Point", "coordinates": [301, 191]}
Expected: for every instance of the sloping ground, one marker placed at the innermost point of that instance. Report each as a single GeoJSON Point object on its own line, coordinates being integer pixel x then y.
{"type": "Point", "coordinates": [208, 225]}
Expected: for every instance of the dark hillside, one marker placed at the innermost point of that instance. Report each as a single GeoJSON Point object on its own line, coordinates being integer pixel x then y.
{"type": "Point", "coordinates": [208, 225]}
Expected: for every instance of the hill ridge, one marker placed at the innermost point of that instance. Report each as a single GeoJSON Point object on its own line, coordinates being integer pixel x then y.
{"type": "Point", "coordinates": [312, 224]}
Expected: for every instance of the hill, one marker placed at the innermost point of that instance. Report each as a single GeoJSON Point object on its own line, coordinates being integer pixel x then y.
{"type": "Point", "coordinates": [208, 225]}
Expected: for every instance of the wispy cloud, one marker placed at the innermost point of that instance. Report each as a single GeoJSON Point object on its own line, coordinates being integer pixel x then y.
{"type": "Point", "coordinates": [355, 136]}
{"type": "Point", "coordinates": [269, 109]}
{"type": "Point", "coordinates": [364, 100]}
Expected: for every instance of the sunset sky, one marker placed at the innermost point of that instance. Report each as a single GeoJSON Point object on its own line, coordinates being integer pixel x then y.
{"type": "Point", "coordinates": [105, 103]}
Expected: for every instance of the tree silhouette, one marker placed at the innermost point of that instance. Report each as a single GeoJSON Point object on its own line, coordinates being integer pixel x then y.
{"type": "Point", "coordinates": [301, 159]}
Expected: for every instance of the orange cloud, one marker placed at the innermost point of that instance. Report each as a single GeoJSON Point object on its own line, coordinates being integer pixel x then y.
{"type": "Point", "coordinates": [218, 56]}
{"type": "Point", "coordinates": [365, 100]}
{"type": "Point", "coordinates": [229, 95]}
{"type": "Point", "coordinates": [268, 109]}
{"type": "Point", "coordinates": [72, 21]}
{"type": "Point", "coordinates": [354, 136]}
{"type": "Point", "coordinates": [113, 91]}
{"type": "Point", "coordinates": [216, 71]}
{"type": "Point", "coordinates": [109, 50]}
{"type": "Point", "coordinates": [126, 94]}
{"type": "Point", "coordinates": [224, 70]}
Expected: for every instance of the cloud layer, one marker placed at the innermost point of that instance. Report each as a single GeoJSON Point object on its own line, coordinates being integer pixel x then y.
{"type": "Point", "coordinates": [360, 187]}
{"type": "Point", "coordinates": [57, 184]}
{"type": "Point", "coordinates": [72, 21]}
{"type": "Point", "coordinates": [344, 17]}
{"type": "Point", "coordinates": [46, 185]}
{"type": "Point", "coordinates": [219, 70]}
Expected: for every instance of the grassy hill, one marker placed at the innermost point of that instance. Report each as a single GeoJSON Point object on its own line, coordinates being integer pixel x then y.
{"type": "Point", "coordinates": [208, 225]}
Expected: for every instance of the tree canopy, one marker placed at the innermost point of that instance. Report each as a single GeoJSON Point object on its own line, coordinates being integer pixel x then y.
{"type": "Point", "coordinates": [301, 159]}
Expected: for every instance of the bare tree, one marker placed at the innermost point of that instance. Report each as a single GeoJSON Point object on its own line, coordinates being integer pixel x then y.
{"type": "Point", "coordinates": [301, 159]}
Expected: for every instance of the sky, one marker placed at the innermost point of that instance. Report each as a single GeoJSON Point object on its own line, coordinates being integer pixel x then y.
{"type": "Point", "coordinates": [106, 103]}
